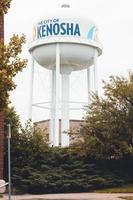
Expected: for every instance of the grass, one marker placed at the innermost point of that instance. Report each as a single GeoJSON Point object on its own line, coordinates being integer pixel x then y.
{"type": "Point", "coordinates": [123, 189]}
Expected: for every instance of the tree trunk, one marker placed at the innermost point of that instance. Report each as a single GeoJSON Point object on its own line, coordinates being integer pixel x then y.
{"type": "Point", "coordinates": [1, 28]}
{"type": "Point", "coordinates": [1, 113]}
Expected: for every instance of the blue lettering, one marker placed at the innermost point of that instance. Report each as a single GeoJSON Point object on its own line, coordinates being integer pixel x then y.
{"type": "Point", "coordinates": [49, 29]}
{"type": "Point", "coordinates": [43, 30]}
{"type": "Point", "coordinates": [56, 29]}
{"type": "Point", "coordinates": [77, 30]}
{"type": "Point", "coordinates": [63, 30]}
{"type": "Point", "coordinates": [69, 29]}
{"type": "Point", "coordinates": [39, 32]}
{"type": "Point", "coordinates": [55, 20]}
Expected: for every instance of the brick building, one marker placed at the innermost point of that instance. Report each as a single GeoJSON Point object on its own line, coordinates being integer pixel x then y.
{"type": "Point", "coordinates": [1, 143]}
{"type": "Point", "coordinates": [75, 125]}
{"type": "Point", "coordinates": [1, 113]}
{"type": "Point", "coordinates": [1, 28]}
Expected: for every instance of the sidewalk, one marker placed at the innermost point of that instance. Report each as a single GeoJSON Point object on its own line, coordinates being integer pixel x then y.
{"type": "Point", "coordinates": [74, 196]}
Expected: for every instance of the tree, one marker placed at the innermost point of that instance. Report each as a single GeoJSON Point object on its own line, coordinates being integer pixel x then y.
{"type": "Point", "coordinates": [28, 145]}
{"type": "Point", "coordinates": [4, 6]}
{"type": "Point", "coordinates": [108, 125]}
{"type": "Point", "coordinates": [11, 64]}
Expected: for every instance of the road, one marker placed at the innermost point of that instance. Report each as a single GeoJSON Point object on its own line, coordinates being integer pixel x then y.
{"type": "Point", "coordinates": [74, 196]}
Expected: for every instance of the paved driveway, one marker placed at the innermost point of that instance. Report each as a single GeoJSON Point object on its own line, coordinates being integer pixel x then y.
{"type": "Point", "coordinates": [74, 196]}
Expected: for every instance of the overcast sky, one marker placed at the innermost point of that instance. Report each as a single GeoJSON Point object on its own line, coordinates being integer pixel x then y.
{"type": "Point", "coordinates": [115, 22]}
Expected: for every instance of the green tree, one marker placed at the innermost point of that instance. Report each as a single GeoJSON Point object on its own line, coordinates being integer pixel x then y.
{"type": "Point", "coordinates": [11, 64]}
{"type": "Point", "coordinates": [4, 6]}
{"type": "Point", "coordinates": [28, 145]}
{"type": "Point", "coordinates": [108, 125]}
{"type": "Point", "coordinates": [10, 61]}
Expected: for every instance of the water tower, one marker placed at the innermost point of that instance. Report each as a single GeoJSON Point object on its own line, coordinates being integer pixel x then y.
{"type": "Point", "coordinates": [63, 44]}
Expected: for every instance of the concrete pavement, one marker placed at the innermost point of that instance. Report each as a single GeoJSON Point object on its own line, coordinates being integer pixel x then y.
{"type": "Point", "coordinates": [73, 196]}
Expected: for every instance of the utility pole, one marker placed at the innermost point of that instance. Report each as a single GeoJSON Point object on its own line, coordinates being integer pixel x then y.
{"type": "Point", "coordinates": [9, 161]}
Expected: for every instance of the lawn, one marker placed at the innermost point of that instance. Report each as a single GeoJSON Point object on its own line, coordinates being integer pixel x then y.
{"type": "Point", "coordinates": [123, 189]}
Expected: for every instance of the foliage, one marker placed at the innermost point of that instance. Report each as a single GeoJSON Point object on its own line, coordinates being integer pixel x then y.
{"type": "Point", "coordinates": [127, 198]}
{"type": "Point", "coordinates": [27, 144]}
{"type": "Point", "coordinates": [102, 158]}
{"type": "Point", "coordinates": [37, 168]}
{"type": "Point", "coordinates": [108, 126]}
{"type": "Point", "coordinates": [59, 172]}
{"type": "Point", "coordinates": [4, 6]}
{"type": "Point", "coordinates": [10, 65]}
{"type": "Point", "coordinates": [122, 189]}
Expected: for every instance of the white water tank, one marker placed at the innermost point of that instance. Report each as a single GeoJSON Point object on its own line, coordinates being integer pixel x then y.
{"type": "Point", "coordinates": [63, 43]}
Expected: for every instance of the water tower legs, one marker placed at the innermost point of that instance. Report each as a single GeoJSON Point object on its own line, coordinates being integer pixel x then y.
{"type": "Point", "coordinates": [55, 105]}
{"type": "Point", "coordinates": [89, 84]}
{"type": "Point", "coordinates": [65, 111]}
{"type": "Point", "coordinates": [95, 72]}
{"type": "Point", "coordinates": [57, 87]}
{"type": "Point", "coordinates": [31, 88]}
{"type": "Point", "coordinates": [89, 77]}
{"type": "Point", "coordinates": [65, 72]}
{"type": "Point", "coordinates": [52, 111]}
{"type": "Point", "coordinates": [54, 121]}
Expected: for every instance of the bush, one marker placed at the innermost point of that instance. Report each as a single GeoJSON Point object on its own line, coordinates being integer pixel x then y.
{"type": "Point", "coordinates": [60, 172]}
